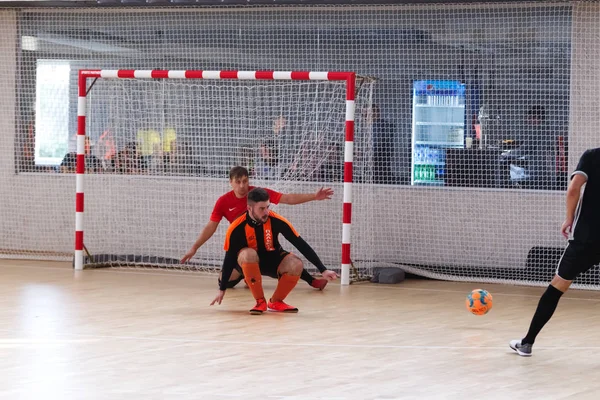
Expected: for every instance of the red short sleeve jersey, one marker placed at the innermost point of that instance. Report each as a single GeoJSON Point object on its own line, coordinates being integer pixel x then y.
{"type": "Point", "coordinates": [231, 207]}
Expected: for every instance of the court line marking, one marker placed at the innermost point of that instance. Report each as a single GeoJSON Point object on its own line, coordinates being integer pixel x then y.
{"type": "Point", "coordinates": [187, 340]}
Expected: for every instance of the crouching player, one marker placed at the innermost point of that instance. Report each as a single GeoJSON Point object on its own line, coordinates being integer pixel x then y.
{"type": "Point", "coordinates": [252, 244]}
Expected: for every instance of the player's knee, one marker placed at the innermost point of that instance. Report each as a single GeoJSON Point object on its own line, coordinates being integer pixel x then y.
{"type": "Point", "coordinates": [295, 266]}
{"type": "Point", "coordinates": [561, 283]}
{"type": "Point", "coordinates": [247, 255]}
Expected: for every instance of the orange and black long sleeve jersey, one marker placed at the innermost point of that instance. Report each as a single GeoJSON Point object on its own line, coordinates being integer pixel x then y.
{"type": "Point", "coordinates": [245, 232]}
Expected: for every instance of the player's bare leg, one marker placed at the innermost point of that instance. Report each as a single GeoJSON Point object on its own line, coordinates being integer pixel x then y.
{"type": "Point", "coordinates": [561, 284]}
{"type": "Point", "coordinates": [289, 272]}
{"type": "Point", "coordinates": [248, 260]}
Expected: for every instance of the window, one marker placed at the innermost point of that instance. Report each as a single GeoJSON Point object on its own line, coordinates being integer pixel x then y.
{"type": "Point", "coordinates": [51, 111]}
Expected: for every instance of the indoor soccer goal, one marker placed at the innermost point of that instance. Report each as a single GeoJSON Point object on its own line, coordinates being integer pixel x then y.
{"type": "Point", "coordinates": [166, 140]}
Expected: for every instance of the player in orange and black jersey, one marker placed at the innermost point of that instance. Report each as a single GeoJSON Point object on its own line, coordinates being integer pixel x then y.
{"type": "Point", "coordinates": [252, 243]}
{"type": "Point", "coordinates": [233, 204]}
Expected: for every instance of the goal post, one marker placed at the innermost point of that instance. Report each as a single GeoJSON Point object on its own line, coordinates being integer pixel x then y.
{"type": "Point", "coordinates": [88, 77]}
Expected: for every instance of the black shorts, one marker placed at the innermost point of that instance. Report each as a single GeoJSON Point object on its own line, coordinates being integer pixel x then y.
{"type": "Point", "coordinates": [268, 265]}
{"type": "Point", "coordinates": [269, 262]}
{"type": "Point", "coordinates": [577, 258]}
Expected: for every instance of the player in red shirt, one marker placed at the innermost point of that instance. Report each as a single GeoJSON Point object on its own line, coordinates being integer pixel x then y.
{"type": "Point", "coordinates": [234, 203]}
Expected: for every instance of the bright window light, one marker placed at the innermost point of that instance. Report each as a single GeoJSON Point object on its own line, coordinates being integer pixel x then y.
{"type": "Point", "coordinates": [51, 111]}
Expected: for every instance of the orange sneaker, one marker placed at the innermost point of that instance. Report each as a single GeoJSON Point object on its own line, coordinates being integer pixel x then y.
{"type": "Point", "coordinates": [259, 308]}
{"type": "Point", "coordinates": [319, 283]}
{"type": "Point", "coordinates": [280, 306]}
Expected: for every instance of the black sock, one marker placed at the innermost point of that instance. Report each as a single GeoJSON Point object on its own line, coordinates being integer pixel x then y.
{"type": "Point", "coordinates": [543, 313]}
{"type": "Point", "coordinates": [307, 277]}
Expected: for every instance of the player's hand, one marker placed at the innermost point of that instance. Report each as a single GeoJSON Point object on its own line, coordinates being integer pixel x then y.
{"type": "Point", "coordinates": [565, 229]}
{"type": "Point", "coordinates": [324, 194]}
{"type": "Point", "coordinates": [188, 256]}
{"type": "Point", "coordinates": [219, 297]}
{"type": "Point", "coordinates": [329, 275]}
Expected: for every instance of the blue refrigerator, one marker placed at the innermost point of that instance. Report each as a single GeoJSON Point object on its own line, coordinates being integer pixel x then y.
{"type": "Point", "coordinates": [438, 123]}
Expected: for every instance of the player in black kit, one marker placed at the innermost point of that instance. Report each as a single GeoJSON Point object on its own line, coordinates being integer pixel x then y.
{"type": "Point", "coordinates": [582, 229]}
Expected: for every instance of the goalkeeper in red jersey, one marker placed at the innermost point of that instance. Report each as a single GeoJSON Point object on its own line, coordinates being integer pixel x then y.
{"type": "Point", "coordinates": [234, 203]}
{"type": "Point", "coordinates": [252, 243]}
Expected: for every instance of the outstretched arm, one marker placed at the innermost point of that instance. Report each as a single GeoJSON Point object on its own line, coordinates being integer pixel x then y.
{"type": "Point", "coordinates": [307, 252]}
{"type": "Point", "coordinates": [299, 198]}
{"type": "Point", "coordinates": [304, 248]}
{"type": "Point", "coordinates": [311, 256]}
{"type": "Point", "coordinates": [284, 227]}
{"type": "Point", "coordinates": [206, 234]}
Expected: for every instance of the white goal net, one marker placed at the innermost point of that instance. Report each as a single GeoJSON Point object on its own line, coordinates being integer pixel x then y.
{"type": "Point", "coordinates": [166, 147]}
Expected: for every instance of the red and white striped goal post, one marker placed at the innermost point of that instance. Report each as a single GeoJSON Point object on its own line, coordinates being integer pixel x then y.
{"type": "Point", "coordinates": [348, 77]}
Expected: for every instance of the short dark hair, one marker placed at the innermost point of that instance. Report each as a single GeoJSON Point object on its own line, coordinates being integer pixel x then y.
{"type": "Point", "coordinates": [238, 172]}
{"type": "Point", "coordinates": [257, 195]}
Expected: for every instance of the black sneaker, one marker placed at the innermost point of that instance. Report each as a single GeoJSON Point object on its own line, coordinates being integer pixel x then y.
{"type": "Point", "coordinates": [523, 350]}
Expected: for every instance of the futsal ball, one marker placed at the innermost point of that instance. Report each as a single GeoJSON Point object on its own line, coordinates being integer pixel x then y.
{"type": "Point", "coordinates": [479, 302]}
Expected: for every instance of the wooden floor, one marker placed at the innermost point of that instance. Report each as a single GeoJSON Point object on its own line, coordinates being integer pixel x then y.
{"type": "Point", "coordinates": [106, 334]}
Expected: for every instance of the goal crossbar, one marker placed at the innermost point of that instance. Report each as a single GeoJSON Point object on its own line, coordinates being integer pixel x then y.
{"type": "Point", "coordinates": [348, 77]}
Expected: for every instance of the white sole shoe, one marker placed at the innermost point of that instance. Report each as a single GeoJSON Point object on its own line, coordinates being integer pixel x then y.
{"type": "Point", "coordinates": [524, 350]}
